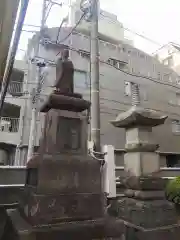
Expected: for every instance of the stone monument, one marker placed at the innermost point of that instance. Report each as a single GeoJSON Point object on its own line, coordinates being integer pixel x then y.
{"type": "Point", "coordinates": [145, 211]}
{"type": "Point", "coordinates": [63, 196]}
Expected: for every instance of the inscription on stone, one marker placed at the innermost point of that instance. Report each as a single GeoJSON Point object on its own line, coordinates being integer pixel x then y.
{"type": "Point", "coordinates": [69, 133]}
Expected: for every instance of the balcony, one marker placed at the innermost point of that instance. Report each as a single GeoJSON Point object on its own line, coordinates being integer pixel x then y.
{"type": "Point", "coordinates": [15, 88]}
{"type": "Point", "coordinates": [9, 128]}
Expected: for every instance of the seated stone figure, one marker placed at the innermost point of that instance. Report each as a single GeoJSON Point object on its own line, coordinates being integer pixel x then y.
{"type": "Point", "coordinates": [64, 74]}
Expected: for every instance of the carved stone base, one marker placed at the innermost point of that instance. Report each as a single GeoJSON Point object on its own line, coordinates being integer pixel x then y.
{"type": "Point", "coordinates": [51, 208]}
{"type": "Point", "coordinates": [92, 229]}
{"type": "Point", "coordinates": [168, 233]}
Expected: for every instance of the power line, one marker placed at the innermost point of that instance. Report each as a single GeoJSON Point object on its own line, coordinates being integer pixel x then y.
{"type": "Point", "coordinates": [78, 22]}
{"type": "Point", "coordinates": [155, 80]}
{"type": "Point", "coordinates": [105, 100]}
{"type": "Point", "coordinates": [59, 29]}
{"type": "Point", "coordinates": [132, 31]}
{"type": "Point", "coordinates": [128, 73]}
{"type": "Point", "coordinates": [125, 72]}
{"type": "Point", "coordinates": [142, 76]}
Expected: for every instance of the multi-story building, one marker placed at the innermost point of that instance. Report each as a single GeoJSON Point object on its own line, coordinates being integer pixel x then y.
{"type": "Point", "coordinates": [120, 65]}
{"type": "Point", "coordinates": [169, 55]}
{"type": "Point", "coordinates": [9, 123]}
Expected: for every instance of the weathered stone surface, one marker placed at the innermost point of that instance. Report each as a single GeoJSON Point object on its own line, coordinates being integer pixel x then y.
{"type": "Point", "coordinates": [147, 214]}
{"type": "Point", "coordinates": [145, 195]}
{"type": "Point", "coordinates": [65, 132]}
{"type": "Point", "coordinates": [139, 135]}
{"type": "Point", "coordinates": [63, 101]}
{"type": "Point", "coordinates": [91, 229]}
{"type": "Point", "coordinates": [144, 183]}
{"type": "Point", "coordinates": [141, 147]}
{"type": "Point", "coordinates": [64, 174]}
{"type": "Point", "coordinates": [138, 116]}
{"type": "Point", "coordinates": [141, 163]}
{"type": "Point", "coordinates": [169, 233]}
{"type": "Point", "coordinates": [51, 208]}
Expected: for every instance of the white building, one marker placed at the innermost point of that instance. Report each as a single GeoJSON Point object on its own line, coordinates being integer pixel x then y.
{"type": "Point", "coordinates": [109, 26]}
{"type": "Point", "coordinates": [120, 64]}
{"type": "Point", "coordinates": [169, 55]}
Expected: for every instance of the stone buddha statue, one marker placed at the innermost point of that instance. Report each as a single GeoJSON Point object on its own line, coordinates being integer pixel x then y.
{"type": "Point", "coordinates": [64, 73]}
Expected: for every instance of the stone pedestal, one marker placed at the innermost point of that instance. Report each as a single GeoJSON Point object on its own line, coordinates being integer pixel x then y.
{"type": "Point", "coordinates": [63, 197]}
{"type": "Point", "coordinates": [144, 209]}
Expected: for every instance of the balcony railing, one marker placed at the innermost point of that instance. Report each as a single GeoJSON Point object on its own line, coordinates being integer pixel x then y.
{"type": "Point", "coordinates": [10, 125]}
{"type": "Point", "coordinates": [15, 88]}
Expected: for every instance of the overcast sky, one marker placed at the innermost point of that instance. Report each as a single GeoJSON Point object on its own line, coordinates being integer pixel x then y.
{"type": "Point", "coordinates": [156, 19]}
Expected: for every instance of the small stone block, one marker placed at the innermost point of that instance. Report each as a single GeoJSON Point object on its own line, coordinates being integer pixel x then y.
{"type": "Point", "coordinates": [141, 163]}
{"type": "Point", "coordinates": [145, 195]}
{"type": "Point", "coordinates": [145, 183]}
{"type": "Point", "coordinates": [139, 135]}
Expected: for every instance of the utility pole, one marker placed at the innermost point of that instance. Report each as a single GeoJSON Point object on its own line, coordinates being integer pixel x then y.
{"type": "Point", "coordinates": [95, 101]}
{"type": "Point", "coordinates": [32, 135]}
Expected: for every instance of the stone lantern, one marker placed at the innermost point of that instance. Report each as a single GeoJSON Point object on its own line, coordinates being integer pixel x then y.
{"type": "Point", "coordinates": [144, 209]}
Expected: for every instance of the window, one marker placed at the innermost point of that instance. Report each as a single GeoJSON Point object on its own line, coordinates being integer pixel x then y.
{"type": "Point", "coordinates": [178, 98]}
{"type": "Point", "coordinates": [134, 53]}
{"type": "Point", "coordinates": [165, 62]}
{"type": "Point", "coordinates": [84, 54]}
{"type": "Point", "coordinates": [159, 75]}
{"type": "Point", "coordinates": [133, 70]}
{"type": "Point", "coordinates": [172, 98]}
{"type": "Point", "coordinates": [178, 80]}
{"type": "Point", "coordinates": [127, 88]}
{"type": "Point", "coordinates": [176, 126]}
{"type": "Point", "coordinates": [170, 79]}
{"type": "Point", "coordinates": [168, 61]}
{"type": "Point", "coordinates": [132, 90]}
{"type": "Point", "coordinates": [172, 160]}
{"type": "Point", "coordinates": [116, 63]}
{"type": "Point", "coordinates": [144, 95]}
{"type": "Point", "coordinates": [141, 55]}
{"type": "Point", "coordinates": [81, 79]}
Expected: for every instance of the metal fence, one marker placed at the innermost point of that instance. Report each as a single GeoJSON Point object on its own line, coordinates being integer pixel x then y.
{"type": "Point", "coordinates": [10, 125]}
